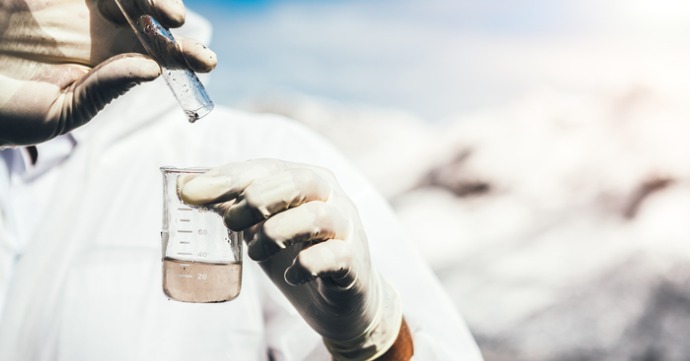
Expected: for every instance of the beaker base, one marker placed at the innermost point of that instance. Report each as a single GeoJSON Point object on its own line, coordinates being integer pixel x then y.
{"type": "Point", "coordinates": [200, 282]}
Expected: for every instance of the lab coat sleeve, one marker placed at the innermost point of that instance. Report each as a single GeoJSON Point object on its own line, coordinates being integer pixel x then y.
{"type": "Point", "coordinates": [438, 331]}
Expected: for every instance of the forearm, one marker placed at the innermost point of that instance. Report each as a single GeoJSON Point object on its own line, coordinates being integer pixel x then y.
{"type": "Point", "coordinates": [402, 349]}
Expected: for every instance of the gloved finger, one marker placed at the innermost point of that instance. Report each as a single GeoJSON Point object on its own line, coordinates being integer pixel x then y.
{"type": "Point", "coordinates": [224, 183]}
{"type": "Point", "coordinates": [199, 57]}
{"type": "Point", "coordinates": [270, 195]}
{"type": "Point", "coordinates": [110, 79]}
{"type": "Point", "coordinates": [330, 259]}
{"type": "Point", "coordinates": [313, 221]}
{"type": "Point", "coordinates": [170, 13]}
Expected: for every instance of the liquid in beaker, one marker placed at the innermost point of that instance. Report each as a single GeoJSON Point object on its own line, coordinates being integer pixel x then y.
{"type": "Point", "coordinates": [202, 259]}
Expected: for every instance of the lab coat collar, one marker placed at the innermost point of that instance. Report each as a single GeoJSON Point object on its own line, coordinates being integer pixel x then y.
{"type": "Point", "coordinates": [50, 154]}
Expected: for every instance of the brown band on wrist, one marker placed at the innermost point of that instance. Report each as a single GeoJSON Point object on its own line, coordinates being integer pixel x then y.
{"type": "Point", "coordinates": [402, 349]}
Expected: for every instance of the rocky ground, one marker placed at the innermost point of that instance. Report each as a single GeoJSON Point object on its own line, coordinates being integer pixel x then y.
{"type": "Point", "coordinates": [559, 224]}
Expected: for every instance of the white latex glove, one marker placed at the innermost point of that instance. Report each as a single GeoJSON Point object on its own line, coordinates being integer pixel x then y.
{"type": "Point", "coordinates": [307, 236]}
{"type": "Point", "coordinates": [62, 61]}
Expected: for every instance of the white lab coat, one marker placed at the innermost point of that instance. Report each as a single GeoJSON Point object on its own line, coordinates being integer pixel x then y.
{"type": "Point", "coordinates": [80, 269]}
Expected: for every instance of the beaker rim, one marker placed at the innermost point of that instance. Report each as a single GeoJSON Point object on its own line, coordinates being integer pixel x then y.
{"type": "Point", "coordinates": [195, 170]}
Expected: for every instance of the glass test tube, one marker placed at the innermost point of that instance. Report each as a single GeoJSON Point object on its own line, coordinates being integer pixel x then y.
{"type": "Point", "coordinates": [162, 47]}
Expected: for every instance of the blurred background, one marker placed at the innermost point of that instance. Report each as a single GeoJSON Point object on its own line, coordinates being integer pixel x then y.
{"type": "Point", "coordinates": [539, 150]}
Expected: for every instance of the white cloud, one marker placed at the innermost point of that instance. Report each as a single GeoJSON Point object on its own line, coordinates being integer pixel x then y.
{"type": "Point", "coordinates": [439, 57]}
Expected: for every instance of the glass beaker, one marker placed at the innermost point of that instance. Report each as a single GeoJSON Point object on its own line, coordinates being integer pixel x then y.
{"type": "Point", "coordinates": [202, 259]}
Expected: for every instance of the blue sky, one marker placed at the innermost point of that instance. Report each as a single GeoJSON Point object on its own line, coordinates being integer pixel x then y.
{"type": "Point", "coordinates": [438, 57]}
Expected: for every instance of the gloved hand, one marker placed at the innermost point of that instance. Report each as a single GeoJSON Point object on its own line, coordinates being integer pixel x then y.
{"type": "Point", "coordinates": [307, 236]}
{"type": "Point", "coordinates": [62, 61]}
